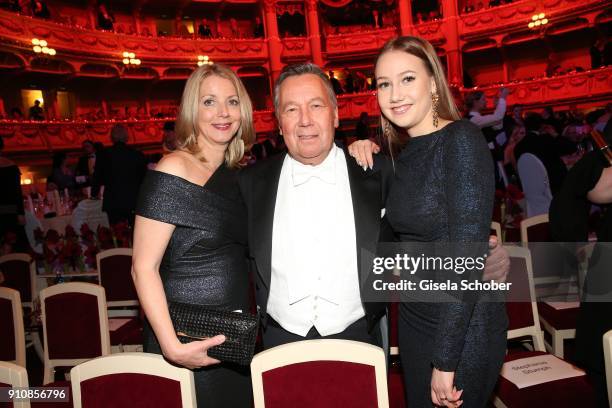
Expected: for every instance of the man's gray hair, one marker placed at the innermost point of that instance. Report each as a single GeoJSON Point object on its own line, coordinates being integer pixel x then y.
{"type": "Point", "coordinates": [119, 134]}
{"type": "Point", "coordinates": [303, 69]}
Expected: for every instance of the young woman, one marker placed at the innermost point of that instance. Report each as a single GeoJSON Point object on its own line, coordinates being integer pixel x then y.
{"type": "Point", "coordinates": [190, 236]}
{"type": "Point", "coordinates": [443, 191]}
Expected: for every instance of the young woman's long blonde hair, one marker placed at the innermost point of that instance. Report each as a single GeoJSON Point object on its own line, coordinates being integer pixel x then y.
{"type": "Point", "coordinates": [422, 49]}
{"type": "Point", "coordinates": [187, 118]}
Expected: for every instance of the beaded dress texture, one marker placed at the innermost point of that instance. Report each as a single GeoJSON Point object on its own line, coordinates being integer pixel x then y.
{"type": "Point", "coordinates": [205, 263]}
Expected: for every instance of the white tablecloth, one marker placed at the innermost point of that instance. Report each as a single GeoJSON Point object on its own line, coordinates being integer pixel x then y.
{"type": "Point", "coordinates": [57, 223]}
{"type": "Point", "coordinates": [87, 212]}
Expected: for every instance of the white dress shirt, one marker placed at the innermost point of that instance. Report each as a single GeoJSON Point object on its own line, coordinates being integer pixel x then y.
{"type": "Point", "coordinates": [314, 280]}
{"type": "Point", "coordinates": [494, 119]}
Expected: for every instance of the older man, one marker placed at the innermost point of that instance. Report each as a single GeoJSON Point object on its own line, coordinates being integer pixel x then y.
{"type": "Point", "coordinates": [311, 212]}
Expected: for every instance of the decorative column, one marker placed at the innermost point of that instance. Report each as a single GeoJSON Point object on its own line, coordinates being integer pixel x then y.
{"type": "Point", "coordinates": [275, 47]}
{"type": "Point", "coordinates": [92, 14]}
{"type": "Point", "coordinates": [136, 16]}
{"type": "Point", "coordinates": [314, 31]}
{"type": "Point", "coordinates": [504, 57]}
{"type": "Point", "coordinates": [453, 48]}
{"type": "Point", "coordinates": [104, 107]}
{"type": "Point", "coordinates": [55, 109]}
{"type": "Point", "coordinates": [405, 13]}
{"type": "Point", "coordinates": [51, 106]}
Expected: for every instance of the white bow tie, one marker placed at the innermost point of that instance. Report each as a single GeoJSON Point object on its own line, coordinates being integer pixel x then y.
{"type": "Point", "coordinates": [324, 172]}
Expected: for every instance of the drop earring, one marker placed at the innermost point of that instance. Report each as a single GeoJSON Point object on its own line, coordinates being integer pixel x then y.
{"type": "Point", "coordinates": [435, 102]}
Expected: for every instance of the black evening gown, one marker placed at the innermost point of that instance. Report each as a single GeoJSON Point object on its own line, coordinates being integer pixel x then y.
{"type": "Point", "coordinates": [569, 222]}
{"type": "Point", "coordinates": [443, 191]}
{"type": "Point", "coordinates": [205, 263]}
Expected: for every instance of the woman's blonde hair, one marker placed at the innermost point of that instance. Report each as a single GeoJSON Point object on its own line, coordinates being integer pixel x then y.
{"type": "Point", "coordinates": [187, 118]}
{"type": "Point", "coordinates": [422, 49]}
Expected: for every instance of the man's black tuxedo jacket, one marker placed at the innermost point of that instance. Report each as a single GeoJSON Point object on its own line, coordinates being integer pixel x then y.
{"type": "Point", "coordinates": [259, 185]}
{"type": "Point", "coordinates": [549, 150]}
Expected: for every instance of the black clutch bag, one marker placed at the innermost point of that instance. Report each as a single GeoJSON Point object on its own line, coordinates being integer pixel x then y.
{"type": "Point", "coordinates": [195, 322]}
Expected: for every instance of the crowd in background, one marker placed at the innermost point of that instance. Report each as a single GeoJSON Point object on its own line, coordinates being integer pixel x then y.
{"type": "Point", "coordinates": [549, 135]}
{"type": "Point", "coordinates": [358, 13]}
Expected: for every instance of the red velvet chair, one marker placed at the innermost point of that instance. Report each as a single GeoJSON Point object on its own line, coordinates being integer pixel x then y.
{"type": "Point", "coordinates": [559, 324]}
{"type": "Point", "coordinates": [12, 340]}
{"type": "Point", "coordinates": [320, 373]}
{"type": "Point", "coordinates": [75, 325]}
{"type": "Point", "coordinates": [12, 375]}
{"type": "Point", "coordinates": [524, 321]}
{"type": "Point", "coordinates": [115, 275]}
{"type": "Point", "coordinates": [132, 380]}
{"type": "Point", "coordinates": [19, 273]}
{"type": "Point", "coordinates": [535, 229]}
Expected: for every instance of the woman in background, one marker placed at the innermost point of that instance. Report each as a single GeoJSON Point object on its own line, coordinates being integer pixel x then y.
{"type": "Point", "coordinates": [190, 236]}
{"type": "Point", "coordinates": [62, 176]}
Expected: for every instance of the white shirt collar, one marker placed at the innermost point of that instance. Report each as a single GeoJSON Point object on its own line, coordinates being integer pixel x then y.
{"type": "Point", "coordinates": [325, 171]}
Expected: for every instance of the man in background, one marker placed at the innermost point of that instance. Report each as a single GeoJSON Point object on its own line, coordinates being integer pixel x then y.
{"type": "Point", "coordinates": [36, 112]}
{"type": "Point", "coordinates": [120, 169]}
{"type": "Point", "coordinates": [544, 143]}
{"type": "Point", "coordinates": [492, 127]}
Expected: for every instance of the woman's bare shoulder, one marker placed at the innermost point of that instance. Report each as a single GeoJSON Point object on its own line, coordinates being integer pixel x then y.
{"type": "Point", "coordinates": [176, 163]}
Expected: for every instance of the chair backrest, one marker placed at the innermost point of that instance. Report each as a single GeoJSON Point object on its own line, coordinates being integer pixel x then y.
{"type": "Point", "coordinates": [75, 323]}
{"type": "Point", "coordinates": [496, 230]}
{"type": "Point", "coordinates": [549, 265]}
{"type": "Point", "coordinates": [536, 185]}
{"type": "Point", "coordinates": [521, 303]}
{"type": "Point", "coordinates": [19, 273]}
{"type": "Point", "coordinates": [320, 373]}
{"type": "Point", "coordinates": [12, 340]}
{"type": "Point", "coordinates": [89, 212]}
{"type": "Point", "coordinates": [607, 344]}
{"type": "Point", "coordinates": [535, 229]}
{"type": "Point", "coordinates": [113, 381]}
{"type": "Point", "coordinates": [13, 375]}
{"type": "Point", "coordinates": [115, 275]}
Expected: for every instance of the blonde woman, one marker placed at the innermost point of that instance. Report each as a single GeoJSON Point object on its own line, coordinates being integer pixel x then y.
{"type": "Point", "coordinates": [190, 236]}
{"type": "Point", "coordinates": [442, 191]}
